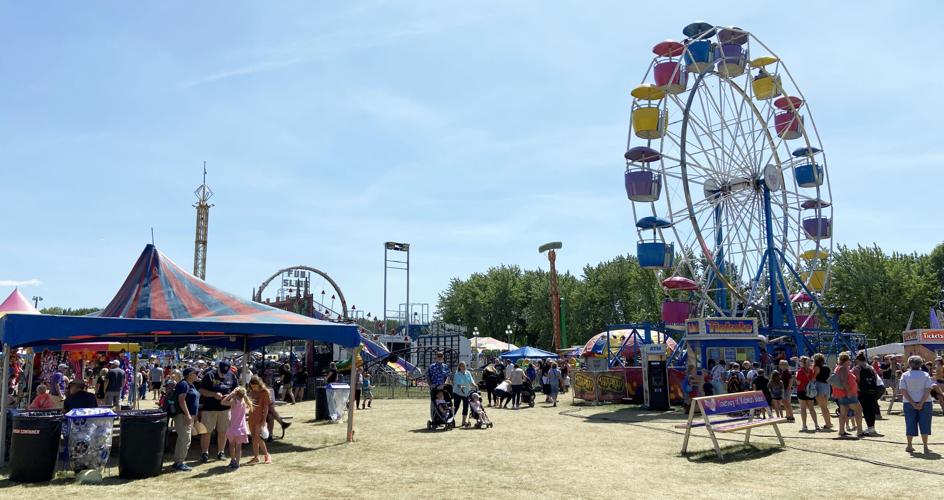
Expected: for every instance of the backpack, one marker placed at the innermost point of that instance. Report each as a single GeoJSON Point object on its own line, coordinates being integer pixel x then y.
{"type": "Point", "coordinates": [168, 402]}
{"type": "Point", "coordinates": [868, 384]}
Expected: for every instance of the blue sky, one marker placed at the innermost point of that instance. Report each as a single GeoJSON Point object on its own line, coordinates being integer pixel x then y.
{"type": "Point", "coordinates": [475, 131]}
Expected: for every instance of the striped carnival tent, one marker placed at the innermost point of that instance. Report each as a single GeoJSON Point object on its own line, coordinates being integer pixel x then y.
{"type": "Point", "coordinates": [160, 302]}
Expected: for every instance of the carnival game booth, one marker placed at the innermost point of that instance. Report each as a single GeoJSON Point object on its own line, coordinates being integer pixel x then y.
{"type": "Point", "coordinates": [160, 302]}
{"type": "Point", "coordinates": [722, 339]}
{"type": "Point", "coordinates": [612, 372]}
{"type": "Point", "coordinates": [927, 343]}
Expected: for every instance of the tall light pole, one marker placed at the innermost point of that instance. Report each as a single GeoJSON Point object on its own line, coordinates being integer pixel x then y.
{"type": "Point", "coordinates": [36, 301]}
{"type": "Point", "coordinates": [554, 292]}
{"type": "Point", "coordinates": [508, 333]}
{"type": "Point", "coordinates": [475, 335]}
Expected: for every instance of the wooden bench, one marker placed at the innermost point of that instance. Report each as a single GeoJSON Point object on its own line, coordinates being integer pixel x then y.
{"type": "Point", "coordinates": [727, 404]}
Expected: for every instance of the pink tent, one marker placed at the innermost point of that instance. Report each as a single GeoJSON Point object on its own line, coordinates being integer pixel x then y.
{"type": "Point", "coordinates": [17, 303]}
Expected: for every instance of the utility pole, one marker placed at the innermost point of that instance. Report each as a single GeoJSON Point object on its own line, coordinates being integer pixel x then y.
{"type": "Point", "coordinates": [203, 225]}
{"type": "Point", "coordinates": [554, 292]}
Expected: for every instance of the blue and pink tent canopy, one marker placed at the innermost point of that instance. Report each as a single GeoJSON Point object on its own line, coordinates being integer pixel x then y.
{"type": "Point", "coordinates": [160, 302]}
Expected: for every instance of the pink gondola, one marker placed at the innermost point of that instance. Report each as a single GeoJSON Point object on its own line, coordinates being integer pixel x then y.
{"type": "Point", "coordinates": [788, 125]}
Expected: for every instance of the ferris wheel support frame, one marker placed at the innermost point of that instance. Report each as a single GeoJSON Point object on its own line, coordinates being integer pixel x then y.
{"type": "Point", "coordinates": [781, 316]}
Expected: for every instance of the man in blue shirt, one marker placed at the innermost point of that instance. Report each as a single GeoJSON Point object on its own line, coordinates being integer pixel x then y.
{"type": "Point", "coordinates": [437, 374]}
{"type": "Point", "coordinates": [188, 403]}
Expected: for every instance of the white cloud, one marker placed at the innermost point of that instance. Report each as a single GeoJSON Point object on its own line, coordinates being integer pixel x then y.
{"type": "Point", "coordinates": [31, 282]}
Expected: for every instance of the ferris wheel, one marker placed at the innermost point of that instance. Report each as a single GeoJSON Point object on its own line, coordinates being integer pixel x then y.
{"type": "Point", "coordinates": [728, 180]}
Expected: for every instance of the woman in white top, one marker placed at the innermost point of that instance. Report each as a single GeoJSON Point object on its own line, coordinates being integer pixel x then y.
{"type": "Point", "coordinates": [915, 386]}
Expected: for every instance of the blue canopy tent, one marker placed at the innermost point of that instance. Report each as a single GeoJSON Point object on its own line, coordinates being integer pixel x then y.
{"type": "Point", "coordinates": [160, 302]}
{"type": "Point", "coordinates": [528, 352]}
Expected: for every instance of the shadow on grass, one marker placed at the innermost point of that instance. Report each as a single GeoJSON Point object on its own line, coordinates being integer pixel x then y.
{"type": "Point", "coordinates": [629, 414]}
{"type": "Point", "coordinates": [735, 453]}
{"type": "Point", "coordinates": [927, 456]}
{"type": "Point", "coordinates": [212, 468]}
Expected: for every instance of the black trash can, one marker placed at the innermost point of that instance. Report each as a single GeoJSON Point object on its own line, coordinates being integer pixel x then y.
{"type": "Point", "coordinates": [321, 402]}
{"type": "Point", "coordinates": [34, 446]}
{"type": "Point", "coordinates": [141, 453]}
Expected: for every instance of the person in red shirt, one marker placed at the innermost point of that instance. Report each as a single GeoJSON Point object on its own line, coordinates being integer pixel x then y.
{"type": "Point", "coordinates": [804, 376]}
{"type": "Point", "coordinates": [847, 395]}
{"type": "Point", "coordinates": [42, 401]}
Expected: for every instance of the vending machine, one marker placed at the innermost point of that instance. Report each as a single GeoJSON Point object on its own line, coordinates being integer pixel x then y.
{"type": "Point", "coordinates": [655, 377]}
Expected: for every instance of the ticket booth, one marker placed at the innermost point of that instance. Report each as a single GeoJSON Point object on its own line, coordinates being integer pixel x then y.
{"type": "Point", "coordinates": [722, 339]}
{"type": "Point", "coordinates": [927, 343]}
{"type": "Point", "coordinates": [655, 377]}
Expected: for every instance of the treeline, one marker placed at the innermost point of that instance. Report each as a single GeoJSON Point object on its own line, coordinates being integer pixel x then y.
{"type": "Point", "coordinates": [68, 311]}
{"type": "Point", "coordinates": [615, 291]}
{"type": "Point", "coordinates": [871, 292]}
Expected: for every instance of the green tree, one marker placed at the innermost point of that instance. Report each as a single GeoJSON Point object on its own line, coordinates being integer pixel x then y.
{"type": "Point", "coordinates": [68, 311]}
{"type": "Point", "coordinates": [876, 293]}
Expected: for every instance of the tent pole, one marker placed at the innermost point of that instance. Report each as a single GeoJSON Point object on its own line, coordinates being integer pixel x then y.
{"type": "Point", "coordinates": [29, 378]}
{"type": "Point", "coordinates": [245, 357]}
{"type": "Point", "coordinates": [4, 394]}
{"type": "Point", "coordinates": [350, 402]}
{"type": "Point", "coordinates": [134, 378]}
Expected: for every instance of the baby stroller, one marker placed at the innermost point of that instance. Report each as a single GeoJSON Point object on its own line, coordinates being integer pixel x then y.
{"type": "Point", "coordinates": [481, 418]}
{"type": "Point", "coordinates": [527, 395]}
{"type": "Point", "coordinates": [441, 415]}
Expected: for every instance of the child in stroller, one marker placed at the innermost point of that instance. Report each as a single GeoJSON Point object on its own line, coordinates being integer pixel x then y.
{"type": "Point", "coordinates": [440, 410]}
{"type": "Point", "coordinates": [527, 395]}
{"type": "Point", "coordinates": [478, 412]}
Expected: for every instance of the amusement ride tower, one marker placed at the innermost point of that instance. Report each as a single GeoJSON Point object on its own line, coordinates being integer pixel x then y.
{"type": "Point", "coordinates": [204, 193]}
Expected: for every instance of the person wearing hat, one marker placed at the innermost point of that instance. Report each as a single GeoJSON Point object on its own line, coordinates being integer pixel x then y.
{"type": "Point", "coordinates": [216, 384]}
{"type": "Point", "coordinates": [188, 402]}
{"type": "Point", "coordinates": [57, 384]}
{"type": "Point", "coordinates": [78, 397]}
{"type": "Point", "coordinates": [114, 383]}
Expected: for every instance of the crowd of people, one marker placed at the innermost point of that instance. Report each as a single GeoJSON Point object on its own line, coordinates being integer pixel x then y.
{"type": "Point", "coordinates": [855, 383]}
{"type": "Point", "coordinates": [201, 398]}
{"type": "Point", "coordinates": [503, 381]}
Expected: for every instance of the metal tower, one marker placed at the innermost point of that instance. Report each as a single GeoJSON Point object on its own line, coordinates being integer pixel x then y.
{"type": "Point", "coordinates": [203, 223]}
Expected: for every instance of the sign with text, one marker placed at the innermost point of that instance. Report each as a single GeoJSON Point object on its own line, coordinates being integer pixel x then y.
{"type": "Point", "coordinates": [612, 386]}
{"type": "Point", "coordinates": [923, 336]}
{"type": "Point", "coordinates": [730, 326]}
{"type": "Point", "coordinates": [585, 386]}
{"type": "Point", "coordinates": [730, 403]}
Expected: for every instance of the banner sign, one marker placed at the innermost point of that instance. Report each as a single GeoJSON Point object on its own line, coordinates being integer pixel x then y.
{"type": "Point", "coordinates": [585, 386]}
{"type": "Point", "coordinates": [923, 336]}
{"type": "Point", "coordinates": [730, 326]}
{"type": "Point", "coordinates": [612, 386]}
{"type": "Point", "coordinates": [618, 384]}
{"type": "Point", "coordinates": [729, 403]}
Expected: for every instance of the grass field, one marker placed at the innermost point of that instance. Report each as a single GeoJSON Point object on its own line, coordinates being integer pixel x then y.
{"type": "Point", "coordinates": [572, 451]}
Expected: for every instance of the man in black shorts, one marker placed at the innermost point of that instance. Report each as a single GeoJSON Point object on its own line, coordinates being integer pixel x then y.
{"type": "Point", "coordinates": [156, 377]}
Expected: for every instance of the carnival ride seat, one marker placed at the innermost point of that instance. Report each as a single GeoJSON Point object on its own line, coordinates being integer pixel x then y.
{"type": "Point", "coordinates": [675, 311]}
{"type": "Point", "coordinates": [807, 321]}
{"type": "Point", "coordinates": [670, 77]}
{"type": "Point", "coordinates": [765, 84]}
{"type": "Point", "coordinates": [699, 56]}
{"type": "Point", "coordinates": [649, 119]}
{"type": "Point", "coordinates": [809, 175]}
{"type": "Point", "coordinates": [817, 227]}
{"type": "Point", "coordinates": [815, 279]}
{"type": "Point", "coordinates": [643, 185]}
{"type": "Point", "coordinates": [731, 59]}
{"type": "Point", "coordinates": [655, 254]}
{"type": "Point", "coordinates": [788, 125]}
